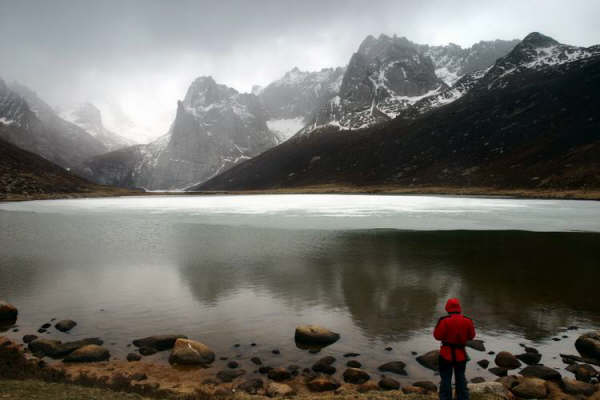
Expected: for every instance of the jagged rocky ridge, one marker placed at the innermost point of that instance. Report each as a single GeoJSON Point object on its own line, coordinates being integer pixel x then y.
{"type": "Point", "coordinates": [41, 130]}
{"type": "Point", "coordinates": [215, 128]}
{"type": "Point", "coordinates": [387, 75]}
{"type": "Point", "coordinates": [528, 121]}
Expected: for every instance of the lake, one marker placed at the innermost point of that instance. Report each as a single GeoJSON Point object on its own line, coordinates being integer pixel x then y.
{"type": "Point", "coordinates": [229, 270]}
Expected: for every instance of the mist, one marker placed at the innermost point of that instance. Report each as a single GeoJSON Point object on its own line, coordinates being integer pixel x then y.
{"type": "Point", "coordinates": [135, 59]}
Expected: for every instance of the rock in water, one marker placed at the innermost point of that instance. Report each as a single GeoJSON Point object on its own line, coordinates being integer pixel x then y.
{"type": "Point", "coordinates": [588, 345]}
{"type": "Point", "coordinates": [353, 364]}
{"type": "Point", "coordinates": [397, 367]}
{"type": "Point", "coordinates": [531, 388]}
{"type": "Point", "coordinates": [430, 360]}
{"type": "Point", "coordinates": [89, 353]}
{"type": "Point", "coordinates": [158, 342]}
{"type": "Point", "coordinates": [228, 375]}
{"type": "Point", "coordinates": [323, 384]}
{"type": "Point", "coordinates": [29, 338]}
{"type": "Point", "coordinates": [356, 376]}
{"type": "Point", "coordinates": [315, 335]}
{"type": "Point", "coordinates": [191, 352]}
{"type": "Point", "coordinates": [498, 371]}
{"type": "Point", "coordinates": [44, 347]}
{"type": "Point", "coordinates": [389, 384]}
{"type": "Point", "coordinates": [279, 390]}
{"type": "Point", "coordinates": [542, 372]}
{"type": "Point", "coordinates": [504, 359]}
{"type": "Point", "coordinates": [65, 325]}
{"type": "Point", "coordinates": [476, 344]}
{"type": "Point", "coordinates": [483, 363]}
{"type": "Point", "coordinates": [583, 372]}
{"type": "Point", "coordinates": [530, 358]}
{"type": "Point", "coordinates": [8, 313]}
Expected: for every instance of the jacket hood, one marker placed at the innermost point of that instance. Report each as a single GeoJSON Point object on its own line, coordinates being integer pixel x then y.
{"type": "Point", "coordinates": [453, 306]}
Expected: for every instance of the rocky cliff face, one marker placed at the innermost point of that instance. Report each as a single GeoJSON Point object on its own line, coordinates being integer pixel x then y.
{"type": "Point", "coordinates": [215, 128]}
{"type": "Point", "coordinates": [528, 121]}
{"type": "Point", "coordinates": [88, 117]}
{"type": "Point", "coordinates": [388, 75]}
{"type": "Point", "coordinates": [290, 101]}
{"type": "Point", "coordinates": [41, 130]}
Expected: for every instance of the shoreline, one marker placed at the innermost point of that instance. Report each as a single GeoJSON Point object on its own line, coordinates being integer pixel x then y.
{"type": "Point", "coordinates": [541, 194]}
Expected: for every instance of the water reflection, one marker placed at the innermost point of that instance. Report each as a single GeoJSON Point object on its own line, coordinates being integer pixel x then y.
{"type": "Point", "coordinates": [393, 283]}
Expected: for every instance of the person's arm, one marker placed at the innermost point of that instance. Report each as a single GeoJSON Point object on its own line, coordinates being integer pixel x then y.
{"type": "Point", "coordinates": [471, 330]}
{"type": "Point", "coordinates": [440, 330]}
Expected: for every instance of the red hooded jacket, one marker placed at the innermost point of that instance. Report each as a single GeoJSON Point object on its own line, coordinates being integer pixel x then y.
{"type": "Point", "coordinates": [454, 330]}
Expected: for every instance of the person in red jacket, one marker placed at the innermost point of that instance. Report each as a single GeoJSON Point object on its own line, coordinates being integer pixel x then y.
{"type": "Point", "coordinates": [453, 330]}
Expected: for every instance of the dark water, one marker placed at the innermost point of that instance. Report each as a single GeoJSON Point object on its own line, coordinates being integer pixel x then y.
{"type": "Point", "coordinates": [126, 268]}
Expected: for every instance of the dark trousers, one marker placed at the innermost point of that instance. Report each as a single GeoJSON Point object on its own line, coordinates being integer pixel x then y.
{"type": "Point", "coordinates": [446, 368]}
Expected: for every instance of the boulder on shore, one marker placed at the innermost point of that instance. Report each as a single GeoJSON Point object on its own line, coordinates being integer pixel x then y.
{"type": "Point", "coordinates": [279, 374]}
{"type": "Point", "coordinates": [228, 375]}
{"type": "Point", "coordinates": [89, 353]}
{"type": "Point", "coordinates": [529, 358]}
{"type": "Point", "coordinates": [490, 388]}
{"type": "Point", "coordinates": [279, 390]}
{"type": "Point", "coordinates": [315, 335]}
{"type": "Point", "coordinates": [427, 385]}
{"type": "Point", "coordinates": [476, 344]}
{"type": "Point", "coordinates": [397, 367]}
{"type": "Point", "coordinates": [430, 360]}
{"type": "Point", "coordinates": [531, 388]}
{"type": "Point", "coordinates": [158, 342]}
{"type": "Point", "coordinates": [588, 345]}
{"type": "Point", "coordinates": [356, 376]}
{"type": "Point", "coordinates": [504, 359]}
{"type": "Point", "coordinates": [541, 372]}
{"type": "Point", "coordinates": [251, 386]}
{"type": "Point", "coordinates": [575, 387]}
{"type": "Point", "coordinates": [191, 352]}
{"type": "Point", "coordinates": [65, 325]}
{"type": "Point", "coordinates": [8, 313]}
{"type": "Point", "coordinates": [323, 384]}
{"type": "Point", "coordinates": [389, 384]}
{"type": "Point", "coordinates": [583, 372]}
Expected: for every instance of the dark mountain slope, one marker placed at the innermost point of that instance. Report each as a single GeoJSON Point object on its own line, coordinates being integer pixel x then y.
{"type": "Point", "coordinates": [27, 175]}
{"type": "Point", "coordinates": [516, 128]}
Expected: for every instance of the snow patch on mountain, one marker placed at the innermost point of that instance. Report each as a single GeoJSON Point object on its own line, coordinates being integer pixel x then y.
{"type": "Point", "coordinates": [285, 128]}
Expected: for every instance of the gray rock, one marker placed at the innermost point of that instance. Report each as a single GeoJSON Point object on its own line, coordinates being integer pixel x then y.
{"type": "Point", "coordinates": [495, 389]}
{"type": "Point", "coordinates": [65, 325]}
{"type": "Point", "coordinates": [228, 375]}
{"type": "Point", "coordinates": [498, 371]}
{"type": "Point", "coordinates": [531, 388]}
{"type": "Point", "coordinates": [279, 390]}
{"type": "Point", "coordinates": [158, 342]}
{"type": "Point", "coordinates": [588, 345]}
{"type": "Point", "coordinates": [389, 384]}
{"type": "Point", "coordinates": [542, 372]}
{"type": "Point", "coordinates": [476, 344]}
{"type": "Point", "coordinates": [430, 360]}
{"type": "Point", "coordinates": [89, 353]}
{"type": "Point", "coordinates": [397, 367]}
{"type": "Point", "coordinates": [504, 359]}
{"type": "Point", "coordinates": [8, 313]}
{"type": "Point", "coordinates": [427, 385]}
{"type": "Point", "coordinates": [279, 374]}
{"type": "Point", "coordinates": [191, 352]}
{"type": "Point", "coordinates": [315, 334]}
{"type": "Point", "coordinates": [529, 358]}
{"type": "Point", "coordinates": [251, 386]}
{"type": "Point", "coordinates": [323, 384]}
{"type": "Point", "coordinates": [356, 376]}
{"type": "Point", "coordinates": [133, 357]}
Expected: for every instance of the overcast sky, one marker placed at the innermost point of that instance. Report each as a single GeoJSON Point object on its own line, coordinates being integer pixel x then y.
{"type": "Point", "coordinates": [139, 57]}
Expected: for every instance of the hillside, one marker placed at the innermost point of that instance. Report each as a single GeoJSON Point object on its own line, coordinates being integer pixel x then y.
{"type": "Point", "coordinates": [530, 121]}
{"type": "Point", "coordinates": [24, 175]}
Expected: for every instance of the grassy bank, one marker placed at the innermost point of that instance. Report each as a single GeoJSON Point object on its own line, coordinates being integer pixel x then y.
{"type": "Point", "coordinates": [39, 390]}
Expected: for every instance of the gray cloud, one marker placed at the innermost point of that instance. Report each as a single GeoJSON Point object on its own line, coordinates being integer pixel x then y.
{"type": "Point", "coordinates": [140, 56]}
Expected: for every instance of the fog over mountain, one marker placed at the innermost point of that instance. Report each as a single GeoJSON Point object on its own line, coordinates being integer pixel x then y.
{"type": "Point", "coordinates": [134, 59]}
